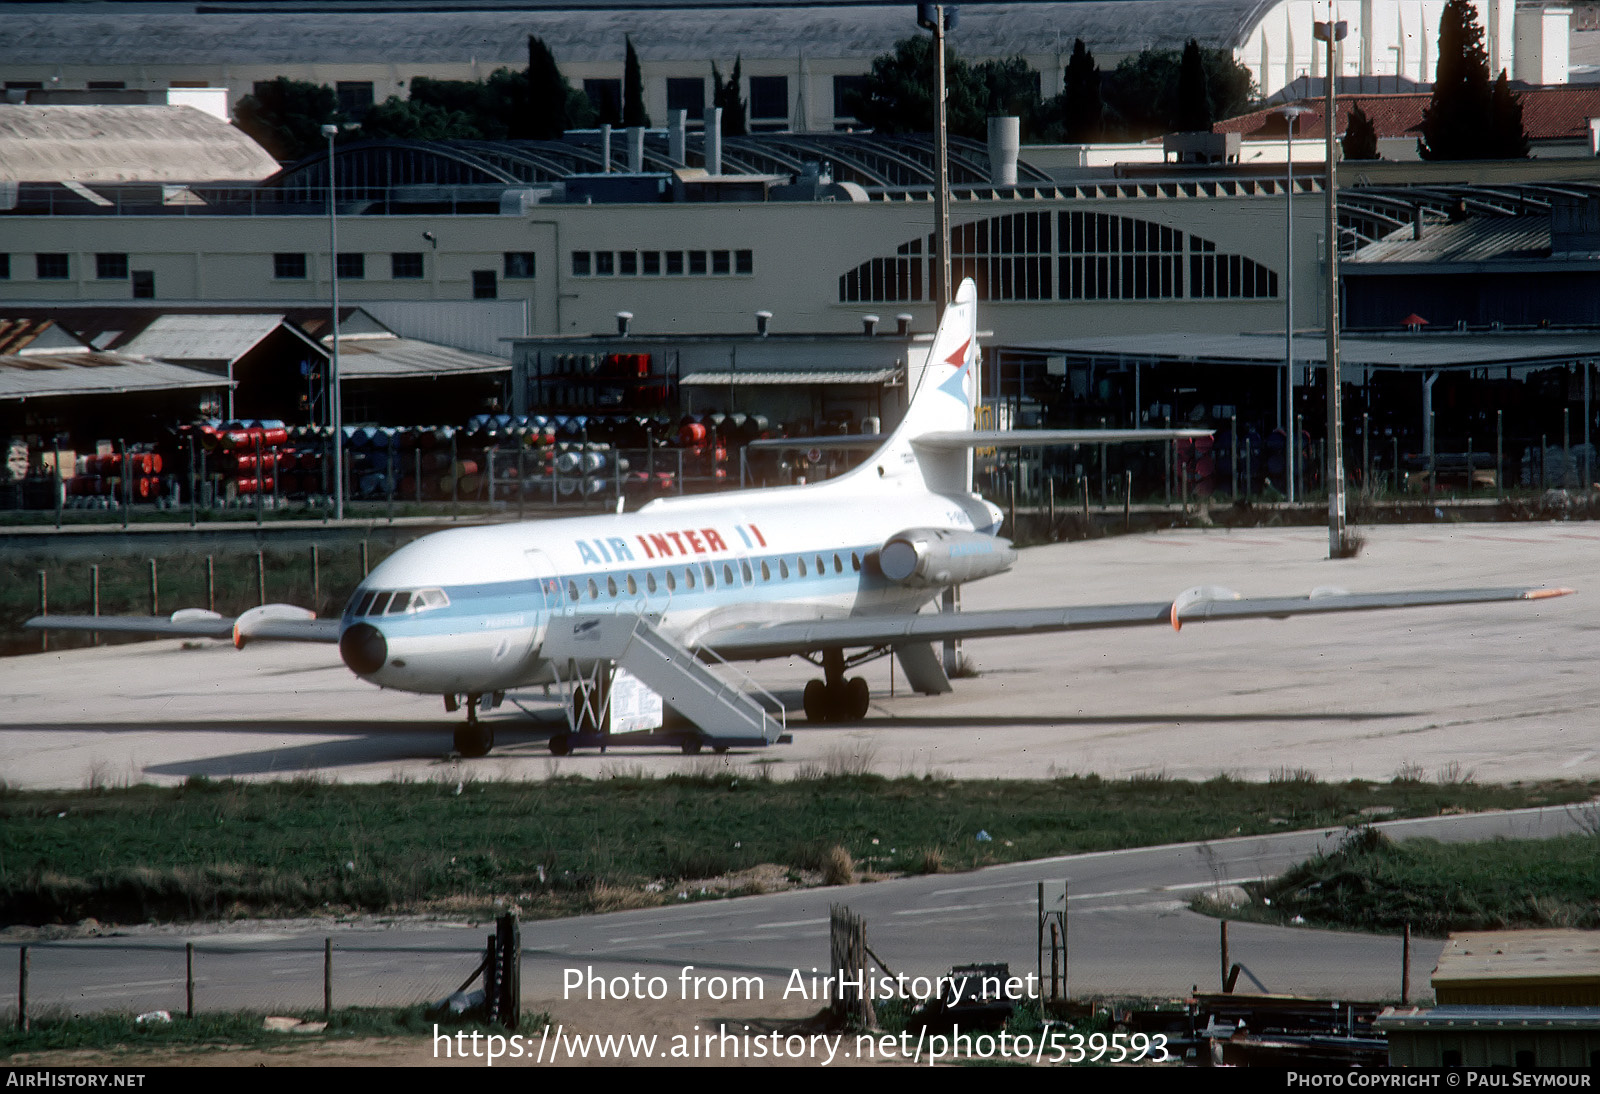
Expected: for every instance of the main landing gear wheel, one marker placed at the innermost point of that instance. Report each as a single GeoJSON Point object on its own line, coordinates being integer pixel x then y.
{"type": "Point", "coordinates": [474, 739]}
{"type": "Point", "coordinates": [847, 701]}
{"type": "Point", "coordinates": [560, 745]}
{"type": "Point", "coordinates": [691, 746]}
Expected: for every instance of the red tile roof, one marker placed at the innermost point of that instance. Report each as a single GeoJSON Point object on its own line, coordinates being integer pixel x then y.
{"type": "Point", "coordinates": [1548, 114]}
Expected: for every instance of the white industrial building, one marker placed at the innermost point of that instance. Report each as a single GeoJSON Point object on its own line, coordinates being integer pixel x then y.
{"type": "Point", "coordinates": [797, 61]}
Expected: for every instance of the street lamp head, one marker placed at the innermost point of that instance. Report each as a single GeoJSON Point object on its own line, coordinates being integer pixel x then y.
{"type": "Point", "coordinates": [1339, 31]}
{"type": "Point", "coordinates": [330, 131]}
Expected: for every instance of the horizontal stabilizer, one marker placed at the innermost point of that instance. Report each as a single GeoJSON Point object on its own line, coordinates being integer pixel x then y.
{"type": "Point", "coordinates": [856, 441]}
{"type": "Point", "coordinates": [955, 440]}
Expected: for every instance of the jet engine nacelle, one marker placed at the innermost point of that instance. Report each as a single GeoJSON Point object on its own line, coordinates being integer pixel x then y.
{"type": "Point", "coordinates": [937, 557]}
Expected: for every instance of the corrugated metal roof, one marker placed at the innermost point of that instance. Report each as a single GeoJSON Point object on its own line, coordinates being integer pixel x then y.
{"type": "Point", "coordinates": [675, 33]}
{"type": "Point", "coordinates": [1446, 349]}
{"type": "Point", "coordinates": [95, 374]}
{"type": "Point", "coordinates": [786, 377]}
{"type": "Point", "coordinates": [1480, 239]}
{"type": "Point", "coordinates": [221, 338]}
{"type": "Point", "coordinates": [1462, 1016]}
{"type": "Point", "coordinates": [90, 144]}
{"type": "Point", "coordinates": [390, 358]}
{"type": "Point", "coordinates": [1548, 114]}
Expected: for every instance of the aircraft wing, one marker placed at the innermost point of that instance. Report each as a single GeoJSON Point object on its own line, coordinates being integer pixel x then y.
{"type": "Point", "coordinates": [269, 622]}
{"type": "Point", "coordinates": [1193, 606]}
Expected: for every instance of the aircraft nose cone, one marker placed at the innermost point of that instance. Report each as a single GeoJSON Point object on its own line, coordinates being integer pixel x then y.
{"type": "Point", "coordinates": [363, 649]}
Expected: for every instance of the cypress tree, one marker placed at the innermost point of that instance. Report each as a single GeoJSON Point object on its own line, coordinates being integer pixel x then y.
{"type": "Point", "coordinates": [1194, 92]}
{"type": "Point", "coordinates": [548, 94]}
{"type": "Point", "coordinates": [1457, 122]}
{"type": "Point", "coordinates": [1082, 109]}
{"type": "Point", "coordinates": [1507, 139]}
{"type": "Point", "coordinates": [1360, 137]}
{"type": "Point", "coordinates": [633, 90]}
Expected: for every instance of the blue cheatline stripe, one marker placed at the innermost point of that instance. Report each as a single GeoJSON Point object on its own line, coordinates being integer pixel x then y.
{"type": "Point", "coordinates": [468, 603]}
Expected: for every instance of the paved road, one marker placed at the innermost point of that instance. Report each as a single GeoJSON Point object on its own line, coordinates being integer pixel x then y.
{"type": "Point", "coordinates": [1129, 934]}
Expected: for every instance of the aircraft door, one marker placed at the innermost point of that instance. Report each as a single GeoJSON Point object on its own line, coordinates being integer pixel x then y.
{"type": "Point", "coordinates": [552, 594]}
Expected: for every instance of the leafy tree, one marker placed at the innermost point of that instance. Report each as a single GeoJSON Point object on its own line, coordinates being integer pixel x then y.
{"type": "Point", "coordinates": [897, 96]}
{"type": "Point", "coordinates": [1081, 110]}
{"type": "Point", "coordinates": [633, 90]}
{"type": "Point", "coordinates": [1360, 140]}
{"type": "Point", "coordinates": [286, 117]}
{"type": "Point", "coordinates": [1507, 139]}
{"type": "Point", "coordinates": [420, 121]}
{"type": "Point", "coordinates": [1142, 95]}
{"type": "Point", "coordinates": [1194, 114]}
{"type": "Point", "coordinates": [549, 95]}
{"type": "Point", "coordinates": [1457, 120]}
{"type": "Point", "coordinates": [726, 95]}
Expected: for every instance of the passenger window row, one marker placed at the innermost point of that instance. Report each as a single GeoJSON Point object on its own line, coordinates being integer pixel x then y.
{"type": "Point", "coordinates": [706, 574]}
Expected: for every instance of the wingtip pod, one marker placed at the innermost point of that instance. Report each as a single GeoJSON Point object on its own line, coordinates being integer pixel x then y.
{"type": "Point", "coordinates": [246, 626]}
{"type": "Point", "coordinates": [1543, 594]}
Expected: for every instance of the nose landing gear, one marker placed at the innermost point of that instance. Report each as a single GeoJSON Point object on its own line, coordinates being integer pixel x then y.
{"type": "Point", "coordinates": [474, 739]}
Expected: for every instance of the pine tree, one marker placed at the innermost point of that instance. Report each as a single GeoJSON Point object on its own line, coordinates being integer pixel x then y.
{"type": "Point", "coordinates": [1457, 121]}
{"type": "Point", "coordinates": [548, 94]}
{"type": "Point", "coordinates": [1360, 136]}
{"type": "Point", "coordinates": [633, 90]}
{"type": "Point", "coordinates": [1082, 109]}
{"type": "Point", "coordinates": [1507, 138]}
{"type": "Point", "coordinates": [1194, 92]}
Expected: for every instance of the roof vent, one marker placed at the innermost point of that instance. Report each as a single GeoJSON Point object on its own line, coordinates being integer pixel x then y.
{"type": "Point", "coordinates": [763, 318]}
{"type": "Point", "coordinates": [623, 319]}
{"type": "Point", "coordinates": [903, 324]}
{"type": "Point", "coordinates": [869, 325]}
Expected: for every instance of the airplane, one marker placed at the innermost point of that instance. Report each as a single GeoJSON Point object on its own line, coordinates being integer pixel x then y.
{"type": "Point", "coordinates": [816, 570]}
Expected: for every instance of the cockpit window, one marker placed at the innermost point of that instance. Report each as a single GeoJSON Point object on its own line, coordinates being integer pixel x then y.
{"type": "Point", "coordinates": [381, 604]}
{"type": "Point", "coordinates": [399, 604]}
{"type": "Point", "coordinates": [366, 602]}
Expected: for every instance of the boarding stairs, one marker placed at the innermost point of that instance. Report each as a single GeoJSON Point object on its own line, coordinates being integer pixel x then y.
{"type": "Point", "coordinates": [725, 714]}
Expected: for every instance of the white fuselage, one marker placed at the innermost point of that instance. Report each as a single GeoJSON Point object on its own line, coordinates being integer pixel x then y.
{"type": "Point", "coordinates": [691, 565]}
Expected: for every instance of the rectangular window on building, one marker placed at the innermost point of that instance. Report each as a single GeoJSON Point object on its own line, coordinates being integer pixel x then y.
{"type": "Point", "coordinates": [769, 97]}
{"type": "Point", "coordinates": [843, 88]}
{"type": "Point", "coordinates": [111, 267]}
{"type": "Point", "coordinates": [720, 263]}
{"type": "Point", "coordinates": [674, 263]}
{"type": "Point", "coordinates": [352, 267]}
{"type": "Point", "coordinates": [5, 267]}
{"type": "Point", "coordinates": [697, 262]}
{"type": "Point", "coordinates": [688, 94]}
{"type": "Point", "coordinates": [483, 285]}
{"type": "Point", "coordinates": [519, 263]}
{"type": "Point", "coordinates": [107, 85]}
{"type": "Point", "coordinates": [603, 266]}
{"type": "Point", "coordinates": [744, 262]}
{"type": "Point", "coordinates": [604, 92]}
{"type": "Point", "coordinates": [144, 284]}
{"type": "Point", "coordinates": [627, 263]}
{"type": "Point", "coordinates": [289, 267]}
{"type": "Point", "coordinates": [52, 267]}
{"type": "Point", "coordinates": [24, 85]}
{"type": "Point", "coordinates": [355, 98]}
{"type": "Point", "coordinates": [405, 265]}
{"type": "Point", "coordinates": [651, 262]}
{"type": "Point", "coordinates": [580, 263]}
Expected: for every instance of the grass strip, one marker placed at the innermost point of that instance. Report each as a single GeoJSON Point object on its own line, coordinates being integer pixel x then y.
{"type": "Point", "coordinates": [214, 850]}
{"type": "Point", "coordinates": [239, 1029]}
{"type": "Point", "coordinates": [1373, 883]}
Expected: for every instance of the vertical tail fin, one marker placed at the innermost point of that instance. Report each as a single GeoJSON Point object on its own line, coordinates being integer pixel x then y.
{"type": "Point", "coordinates": [945, 398]}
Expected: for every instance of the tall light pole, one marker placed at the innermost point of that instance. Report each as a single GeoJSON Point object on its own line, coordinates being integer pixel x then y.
{"type": "Point", "coordinates": [335, 407]}
{"type": "Point", "coordinates": [938, 18]}
{"type": "Point", "coordinates": [1291, 115]}
{"type": "Point", "coordinates": [1332, 32]}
